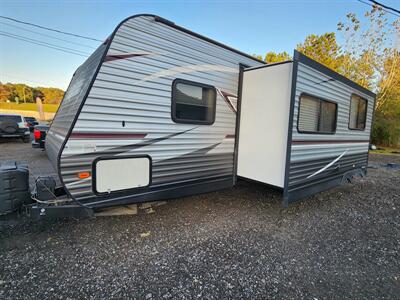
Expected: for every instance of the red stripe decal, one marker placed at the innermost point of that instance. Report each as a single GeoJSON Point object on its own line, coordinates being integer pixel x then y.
{"type": "Point", "coordinates": [305, 142]}
{"type": "Point", "coordinates": [93, 135]}
{"type": "Point", "coordinates": [123, 56]}
{"type": "Point", "coordinates": [230, 136]}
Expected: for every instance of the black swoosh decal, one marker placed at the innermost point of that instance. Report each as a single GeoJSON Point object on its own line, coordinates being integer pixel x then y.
{"type": "Point", "coordinates": [125, 148]}
{"type": "Point", "coordinates": [202, 151]}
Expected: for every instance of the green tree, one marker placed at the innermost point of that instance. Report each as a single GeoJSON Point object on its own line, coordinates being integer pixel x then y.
{"type": "Point", "coordinates": [7, 92]}
{"type": "Point", "coordinates": [51, 95]}
{"type": "Point", "coordinates": [24, 92]}
{"type": "Point", "coordinates": [370, 57]}
{"type": "Point", "coordinates": [369, 47]}
{"type": "Point", "coordinates": [272, 57]}
{"type": "Point", "coordinates": [374, 62]}
{"type": "Point", "coordinates": [386, 130]}
{"type": "Point", "coordinates": [259, 57]}
{"type": "Point", "coordinates": [324, 49]}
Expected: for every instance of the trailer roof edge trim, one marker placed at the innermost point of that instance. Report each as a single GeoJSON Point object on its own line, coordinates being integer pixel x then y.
{"type": "Point", "coordinates": [268, 65]}
{"type": "Point", "coordinates": [172, 24]}
{"type": "Point", "coordinates": [300, 57]}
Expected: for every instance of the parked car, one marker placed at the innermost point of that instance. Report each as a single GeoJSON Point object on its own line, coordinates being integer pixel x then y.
{"type": "Point", "coordinates": [14, 126]}
{"type": "Point", "coordinates": [39, 136]}
{"type": "Point", "coordinates": [31, 122]}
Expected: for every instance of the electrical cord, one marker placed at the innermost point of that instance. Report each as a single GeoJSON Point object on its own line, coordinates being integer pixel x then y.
{"type": "Point", "coordinates": [51, 29]}
{"type": "Point", "coordinates": [42, 44]}
{"type": "Point", "coordinates": [48, 36]}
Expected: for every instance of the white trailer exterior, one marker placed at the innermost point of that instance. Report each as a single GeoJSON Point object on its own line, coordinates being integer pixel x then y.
{"type": "Point", "coordinates": [160, 112]}
{"type": "Point", "coordinates": [280, 103]}
{"type": "Point", "coordinates": [118, 106]}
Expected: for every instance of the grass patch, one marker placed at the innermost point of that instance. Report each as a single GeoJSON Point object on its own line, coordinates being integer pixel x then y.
{"type": "Point", "coordinates": [28, 106]}
{"type": "Point", "coordinates": [385, 150]}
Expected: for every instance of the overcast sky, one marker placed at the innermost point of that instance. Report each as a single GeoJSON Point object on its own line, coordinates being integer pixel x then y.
{"type": "Point", "coordinates": [250, 26]}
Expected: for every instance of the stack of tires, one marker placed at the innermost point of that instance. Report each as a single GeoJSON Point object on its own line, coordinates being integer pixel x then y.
{"type": "Point", "coordinates": [14, 186]}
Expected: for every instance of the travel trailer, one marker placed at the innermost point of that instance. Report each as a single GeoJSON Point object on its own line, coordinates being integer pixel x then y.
{"type": "Point", "coordinates": [159, 112]}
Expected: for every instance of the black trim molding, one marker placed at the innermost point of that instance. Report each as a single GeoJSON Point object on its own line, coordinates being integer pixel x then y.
{"type": "Point", "coordinates": [285, 200]}
{"type": "Point", "coordinates": [268, 65]}
{"type": "Point", "coordinates": [237, 124]}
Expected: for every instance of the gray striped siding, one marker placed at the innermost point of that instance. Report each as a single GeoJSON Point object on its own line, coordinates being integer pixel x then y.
{"type": "Point", "coordinates": [335, 91]}
{"type": "Point", "coordinates": [70, 104]}
{"type": "Point", "coordinates": [305, 159]}
{"type": "Point", "coordinates": [301, 170]}
{"type": "Point", "coordinates": [128, 90]}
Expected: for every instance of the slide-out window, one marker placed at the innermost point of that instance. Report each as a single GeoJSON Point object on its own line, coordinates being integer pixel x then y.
{"type": "Point", "coordinates": [358, 113]}
{"type": "Point", "coordinates": [193, 102]}
{"type": "Point", "coordinates": [316, 115]}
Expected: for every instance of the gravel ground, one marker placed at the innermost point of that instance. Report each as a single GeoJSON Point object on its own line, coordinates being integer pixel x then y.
{"type": "Point", "coordinates": [238, 243]}
{"type": "Point", "coordinates": [15, 149]}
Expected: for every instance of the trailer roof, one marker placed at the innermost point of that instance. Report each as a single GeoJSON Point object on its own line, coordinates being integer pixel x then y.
{"type": "Point", "coordinates": [172, 24]}
{"type": "Point", "coordinates": [336, 76]}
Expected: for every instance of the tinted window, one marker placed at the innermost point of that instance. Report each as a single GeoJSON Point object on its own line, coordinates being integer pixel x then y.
{"type": "Point", "coordinates": [12, 118]}
{"type": "Point", "coordinates": [193, 102]}
{"type": "Point", "coordinates": [316, 115]}
{"type": "Point", "coordinates": [358, 112]}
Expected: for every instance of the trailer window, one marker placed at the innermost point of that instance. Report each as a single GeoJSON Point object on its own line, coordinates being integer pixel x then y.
{"type": "Point", "coordinates": [358, 113]}
{"type": "Point", "coordinates": [316, 115]}
{"type": "Point", "coordinates": [193, 102]}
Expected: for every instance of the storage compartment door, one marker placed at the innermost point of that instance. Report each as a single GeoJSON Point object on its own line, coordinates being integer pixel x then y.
{"type": "Point", "coordinates": [114, 174]}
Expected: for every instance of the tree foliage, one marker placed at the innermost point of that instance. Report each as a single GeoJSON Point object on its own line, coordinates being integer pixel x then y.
{"type": "Point", "coordinates": [21, 93]}
{"type": "Point", "coordinates": [324, 49]}
{"type": "Point", "coordinates": [273, 57]}
{"type": "Point", "coordinates": [386, 130]}
{"type": "Point", "coordinates": [370, 57]}
{"type": "Point", "coordinates": [374, 59]}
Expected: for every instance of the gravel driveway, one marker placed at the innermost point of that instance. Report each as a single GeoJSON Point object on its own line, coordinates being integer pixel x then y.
{"type": "Point", "coordinates": [238, 243]}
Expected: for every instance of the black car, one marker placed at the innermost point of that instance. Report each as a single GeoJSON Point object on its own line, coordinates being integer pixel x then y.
{"type": "Point", "coordinates": [14, 126]}
{"type": "Point", "coordinates": [31, 122]}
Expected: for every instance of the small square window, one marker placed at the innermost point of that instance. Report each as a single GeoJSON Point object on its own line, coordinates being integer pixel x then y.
{"type": "Point", "coordinates": [358, 113]}
{"type": "Point", "coordinates": [193, 102]}
{"type": "Point", "coordinates": [316, 115]}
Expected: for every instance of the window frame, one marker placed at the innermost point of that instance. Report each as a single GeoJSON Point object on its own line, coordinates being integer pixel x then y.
{"type": "Point", "coordinates": [173, 102]}
{"type": "Point", "coordinates": [366, 113]}
{"type": "Point", "coordinates": [320, 99]}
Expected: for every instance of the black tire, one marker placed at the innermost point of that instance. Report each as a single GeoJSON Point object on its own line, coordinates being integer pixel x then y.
{"type": "Point", "coordinates": [26, 139]}
{"type": "Point", "coordinates": [9, 126]}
